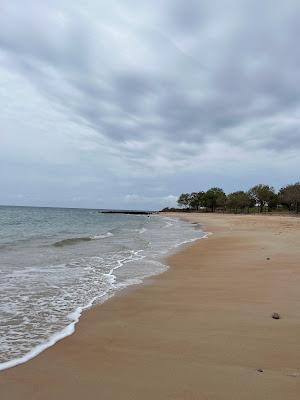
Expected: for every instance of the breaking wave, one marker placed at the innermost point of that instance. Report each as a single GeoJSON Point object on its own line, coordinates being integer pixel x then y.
{"type": "Point", "coordinates": [72, 241]}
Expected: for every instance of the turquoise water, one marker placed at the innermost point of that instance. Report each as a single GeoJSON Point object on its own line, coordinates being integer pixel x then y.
{"type": "Point", "coordinates": [56, 262]}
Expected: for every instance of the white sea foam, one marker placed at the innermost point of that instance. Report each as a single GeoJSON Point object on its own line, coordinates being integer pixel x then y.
{"type": "Point", "coordinates": [205, 235]}
{"type": "Point", "coordinates": [185, 242]}
{"type": "Point", "coordinates": [67, 331]}
{"type": "Point", "coordinates": [75, 315]}
{"type": "Point", "coordinates": [169, 222]}
{"type": "Point", "coordinates": [106, 235]}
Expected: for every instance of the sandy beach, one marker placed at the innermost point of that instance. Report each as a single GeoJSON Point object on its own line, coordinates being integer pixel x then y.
{"type": "Point", "coordinates": [202, 330]}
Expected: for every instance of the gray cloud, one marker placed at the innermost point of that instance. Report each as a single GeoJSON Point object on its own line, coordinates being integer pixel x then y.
{"type": "Point", "coordinates": [137, 89]}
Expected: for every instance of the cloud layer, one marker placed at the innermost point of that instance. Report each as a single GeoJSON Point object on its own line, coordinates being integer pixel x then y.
{"type": "Point", "coordinates": [145, 100]}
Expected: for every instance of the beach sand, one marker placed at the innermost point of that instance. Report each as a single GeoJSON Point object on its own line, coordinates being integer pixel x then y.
{"type": "Point", "coordinates": [199, 331]}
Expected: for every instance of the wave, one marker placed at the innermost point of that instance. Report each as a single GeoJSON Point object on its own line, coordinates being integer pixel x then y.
{"type": "Point", "coordinates": [71, 241]}
{"type": "Point", "coordinates": [67, 331]}
{"type": "Point", "coordinates": [74, 316]}
{"type": "Point", "coordinates": [108, 234]}
{"type": "Point", "coordinates": [169, 222]}
{"type": "Point", "coordinates": [204, 236]}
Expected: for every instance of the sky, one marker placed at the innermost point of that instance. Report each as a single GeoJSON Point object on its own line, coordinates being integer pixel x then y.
{"type": "Point", "coordinates": [128, 103]}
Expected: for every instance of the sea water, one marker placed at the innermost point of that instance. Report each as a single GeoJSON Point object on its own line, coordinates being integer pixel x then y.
{"type": "Point", "coordinates": [56, 262]}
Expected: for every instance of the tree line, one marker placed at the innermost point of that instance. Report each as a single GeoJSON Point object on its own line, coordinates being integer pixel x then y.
{"type": "Point", "coordinates": [261, 197]}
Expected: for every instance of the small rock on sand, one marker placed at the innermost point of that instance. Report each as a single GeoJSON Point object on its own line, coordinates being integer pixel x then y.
{"type": "Point", "coordinates": [275, 315]}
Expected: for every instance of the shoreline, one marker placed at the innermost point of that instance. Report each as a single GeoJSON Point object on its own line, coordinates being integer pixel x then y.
{"type": "Point", "coordinates": [97, 301]}
{"type": "Point", "coordinates": [199, 330]}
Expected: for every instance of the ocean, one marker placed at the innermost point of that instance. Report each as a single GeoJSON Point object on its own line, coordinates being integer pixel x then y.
{"type": "Point", "coordinates": [56, 262]}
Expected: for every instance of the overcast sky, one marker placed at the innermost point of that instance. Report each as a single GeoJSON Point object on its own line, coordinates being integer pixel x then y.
{"type": "Point", "coordinates": [128, 103]}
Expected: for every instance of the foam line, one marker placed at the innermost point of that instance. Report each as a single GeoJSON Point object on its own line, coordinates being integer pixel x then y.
{"type": "Point", "coordinates": [74, 316]}
{"type": "Point", "coordinates": [67, 331]}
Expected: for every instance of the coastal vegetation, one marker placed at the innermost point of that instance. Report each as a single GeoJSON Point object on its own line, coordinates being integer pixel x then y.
{"type": "Point", "coordinates": [259, 198]}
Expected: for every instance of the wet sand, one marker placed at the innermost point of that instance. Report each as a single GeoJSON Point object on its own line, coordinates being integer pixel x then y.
{"type": "Point", "coordinates": [199, 331]}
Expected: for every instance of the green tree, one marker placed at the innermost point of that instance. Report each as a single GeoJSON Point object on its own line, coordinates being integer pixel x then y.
{"type": "Point", "coordinates": [239, 200]}
{"type": "Point", "coordinates": [197, 200]}
{"type": "Point", "coordinates": [262, 195]}
{"type": "Point", "coordinates": [184, 200]}
{"type": "Point", "coordinates": [290, 196]}
{"type": "Point", "coordinates": [214, 197]}
{"type": "Point", "coordinates": [274, 201]}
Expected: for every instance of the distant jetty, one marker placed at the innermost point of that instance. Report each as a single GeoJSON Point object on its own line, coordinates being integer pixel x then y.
{"type": "Point", "coordinates": [128, 212]}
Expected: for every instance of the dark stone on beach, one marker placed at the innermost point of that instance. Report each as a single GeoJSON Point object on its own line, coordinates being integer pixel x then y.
{"type": "Point", "coordinates": [275, 315]}
{"type": "Point", "coordinates": [260, 370]}
{"type": "Point", "coordinates": [268, 258]}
